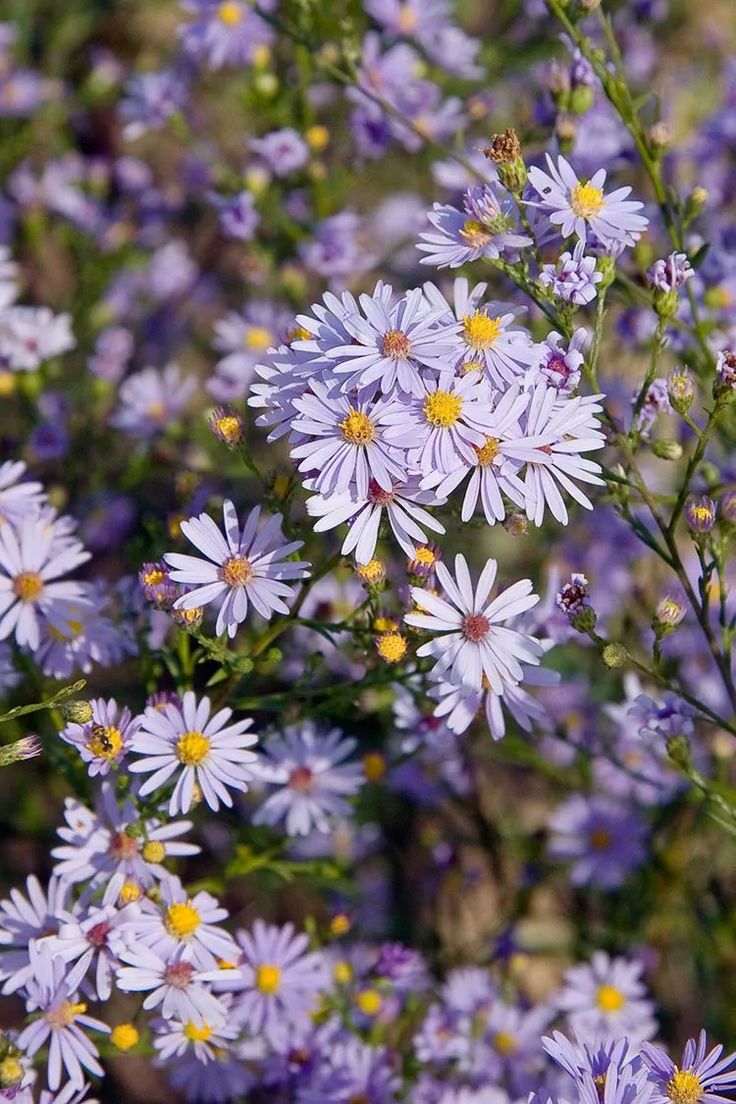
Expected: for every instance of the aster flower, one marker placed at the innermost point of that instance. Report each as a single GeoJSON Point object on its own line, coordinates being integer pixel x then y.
{"type": "Point", "coordinates": [669, 274]}
{"type": "Point", "coordinates": [224, 33]}
{"type": "Point", "coordinates": [607, 999]}
{"type": "Point", "coordinates": [579, 207]}
{"type": "Point", "coordinates": [104, 740]}
{"type": "Point", "coordinates": [443, 428]}
{"type": "Point", "coordinates": [404, 507]}
{"type": "Point", "coordinates": [348, 443]}
{"type": "Point", "coordinates": [560, 428]}
{"type": "Point", "coordinates": [246, 565]}
{"type": "Point", "coordinates": [31, 335]}
{"type": "Point", "coordinates": [172, 983]}
{"type": "Point", "coordinates": [19, 498]}
{"type": "Point", "coordinates": [98, 845]}
{"type": "Point", "coordinates": [150, 100]}
{"type": "Point", "coordinates": [390, 345]}
{"type": "Point", "coordinates": [497, 461]}
{"type": "Point", "coordinates": [488, 344]}
{"type": "Point", "coordinates": [237, 215]}
{"type": "Point", "coordinates": [174, 1039]}
{"type": "Point", "coordinates": [461, 708]}
{"type": "Point", "coordinates": [485, 228]}
{"type": "Point", "coordinates": [700, 1078]}
{"type": "Point", "coordinates": [201, 750]}
{"type": "Point", "coordinates": [472, 642]}
{"type": "Point", "coordinates": [278, 981]}
{"type": "Point", "coordinates": [32, 558]}
{"type": "Point", "coordinates": [25, 920]}
{"type": "Point", "coordinates": [151, 399]}
{"type": "Point", "coordinates": [91, 942]}
{"type": "Point", "coordinates": [559, 365]}
{"type": "Point", "coordinates": [222, 1079]}
{"type": "Point", "coordinates": [603, 838]}
{"type": "Point", "coordinates": [62, 1018]}
{"type": "Point", "coordinates": [311, 779]}
{"type": "Point", "coordinates": [185, 924]}
{"type": "Point", "coordinates": [284, 151]}
{"type": "Point", "coordinates": [353, 1070]}
{"type": "Point", "coordinates": [244, 338]}
{"type": "Point", "coordinates": [573, 278]}
{"type": "Point", "coordinates": [605, 1071]}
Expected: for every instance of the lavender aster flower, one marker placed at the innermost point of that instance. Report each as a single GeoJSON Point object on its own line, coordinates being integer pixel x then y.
{"type": "Point", "coordinates": [579, 207]}
{"type": "Point", "coordinates": [573, 278]}
{"type": "Point", "coordinates": [224, 33]}
{"type": "Point", "coordinates": [310, 777]}
{"type": "Point", "coordinates": [603, 838]}
{"type": "Point", "coordinates": [19, 498]}
{"type": "Point", "coordinates": [284, 151]}
{"type": "Point", "coordinates": [152, 399]}
{"type": "Point", "coordinates": [31, 560]}
{"type": "Point", "coordinates": [172, 983]}
{"type": "Point", "coordinates": [210, 753]}
{"type": "Point", "coordinates": [670, 274]}
{"type": "Point", "coordinates": [104, 740]}
{"type": "Point", "coordinates": [473, 642]}
{"type": "Point", "coordinates": [60, 1023]}
{"type": "Point", "coordinates": [243, 566]}
{"type": "Point", "coordinates": [607, 999]}
{"type": "Point", "coordinates": [485, 228]}
{"type": "Point", "coordinates": [700, 1078]}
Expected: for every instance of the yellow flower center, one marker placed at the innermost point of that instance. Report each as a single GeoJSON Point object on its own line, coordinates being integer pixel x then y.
{"type": "Point", "coordinates": [197, 1033]}
{"type": "Point", "coordinates": [317, 136]}
{"type": "Point", "coordinates": [407, 20]}
{"type": "Point", "coordinates": [701, 515]}
{"type": "Point", "coordinates": [154, 851]}
{"type": "Point", "coordinates": [600, 839]}
{"type": "Point", "coordinates": [182, 919]}
{"type": "Point", "coordinates": [73, 629]}
{"type": "Point", "coordinates": [373, 571]}
{"type": "Point", "coordinates": [342, 973]}
{"type": "Point", "coordinates": [396, 344]}
{"type": "Point", "coordinates": [236, 571]}
{"type": "Point", "coordinates": [369, 1002]}
{"type": "Point", "coordinates": [192, 748]}
{"type": "Point", "coordinates": [442, 409]}
{"type": "Point", "coordinates": [425, 555]}
{"type": "Point", "coordinates": [268, 978]}
{"type": "Point", "coordinates": [156, 411]}
{"type": "Point", "coordinates": [129, 892]}
{"type": "Point", "coordinates": [488, 451]}
{"type": "Point", "coordinates": [684, 1087]}
{"type": "Point", "coordinates": [374, 766]}
{"type": "Point", "coordinates": [505, 1043]}
{"type": "Point", "coordinates": [610, 999]}
{"type": "Point", "coordinates": [357, 428]}
{"type": "Point", "coordinates": [339, 925]}
{"type": "Point", "coordinates": [299, 333]}
{"type": "Point", "coordinates": [475, 234]}
{"type": "Point", "coordinates": [124, 1036]}
{"type": "Point", "coordinates": [586, 201]}
{"type": "Point", "coordinates": [154, 577]}
{"type": "Point", "coordinates": [105, 742]}
{"type": "Point", "coordinates": [230, 13]}
{"type": "Point", "coordinates": [28, 586]}
{"type": "Point", "coordinates": [65, 1014]}
{"type": "Point", "coordinates": [258, 338]}
{"type": "Point", "coordinates": [480, 331]}
{"type": "Point", "coordinates": [11, 1072]}
{"type": "Point", "coordinates": [229, 427]}
{"type": "Point", "coordinates": [391, 647]}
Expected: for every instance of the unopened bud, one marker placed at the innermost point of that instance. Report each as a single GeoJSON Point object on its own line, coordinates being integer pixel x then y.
{"type": "Point", "coordinates": [680, 389]}
{"type": "Point", "coordinates": [615, 655]}
{"type": "Point", "coordinates": [667, 450]}
{"type": "Point", "coordinates": [516, 524]}
{"type": "Point", "coordinates": [581, 99]}
{"type": "Point", "coordinates": [77, 711]}
{"type": "Point", "coordinates": [584, 620]}
{"type": "Point", "coordinates": [727, 508]}
{"type": "Point", "coordinates": [26, 748]}
{"type": "Point", "coordinates": [678, 749]}
{"type": "Point", "coordinates": [668, 615]}
{"type": "Point", "coordinates": [660, 136]}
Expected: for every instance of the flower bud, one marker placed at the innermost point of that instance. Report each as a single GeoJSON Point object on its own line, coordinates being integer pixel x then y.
{"type": "Point", "coordinates": [678, 749]}
{"type": "Point", "coordinates": [589, 5]}
{"type": "Point", "coordinates": [227, 425]}
{"type": "Point", "coordinates": [581, 99]}
{"type": "Point", "coordinates": [668, 615]}
{"type": "Point", "coordinates": [660, 136]}
{"type": "Point", "coordinates": [667, 450]}
{"type": "Point", "coordinates": [700, 513]}
{"type": "Point", "coordinates": [516, 524]}
{"type": "Point", "coordinates": [615, 655]}
{"type": "Point", "coordinates": [680, 390]}
{"type": "Point", "coordinates": [584, 620]}
{"type": "Point", "coordinates": [77, 711]}
{"type": "Point", "coordinates": [727, 508]}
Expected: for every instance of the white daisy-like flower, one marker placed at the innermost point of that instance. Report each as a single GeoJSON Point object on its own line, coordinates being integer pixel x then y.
{"type": "Point", "coordinates": [242, 566]}
{"type": "Point", "coordinates": [207, 751]}
{"type": "Point", "coordinates": [471, 641]}
{"type": "Point", "coordinates": [577, 205]}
